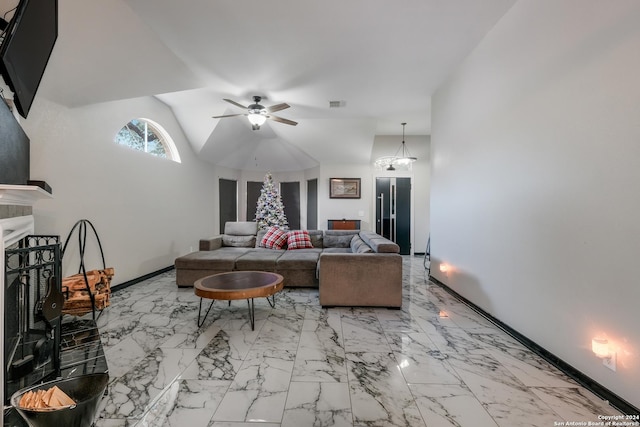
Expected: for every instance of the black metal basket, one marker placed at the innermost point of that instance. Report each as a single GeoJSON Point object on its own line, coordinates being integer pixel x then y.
{"type": "Point", "coordinates": [86, 390]}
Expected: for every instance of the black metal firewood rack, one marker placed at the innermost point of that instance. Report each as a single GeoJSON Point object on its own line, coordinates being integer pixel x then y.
{"type": "Point", "coordinates": [82, 226]}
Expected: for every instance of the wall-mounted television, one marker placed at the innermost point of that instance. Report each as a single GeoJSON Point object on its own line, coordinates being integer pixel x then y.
{"type": "Point", "coordinates": [14, 150]}
{"type": "Point", "coordinates": [26, 48]}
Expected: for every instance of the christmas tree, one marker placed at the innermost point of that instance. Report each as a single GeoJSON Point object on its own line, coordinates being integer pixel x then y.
{"type": "Point", "coordinates": [270, 210]}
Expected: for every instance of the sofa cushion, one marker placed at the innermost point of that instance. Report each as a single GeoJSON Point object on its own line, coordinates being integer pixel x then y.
{"type": "Point", "coordinates": [316, 238]}
{"type": "Point", "coordinates": [238, 241]}
{"type": "Point", "coordinates": [298, 239]}
{"type": "Point", "coordinates": [220, 259]}
{"type": "Point", "coordinates": [301, 259]}
{"type": "Point", "coordinates": [259, 259]}
{"type": "Point", "coordinates": [274, 238]}
{"type": "Point", "coordinates": [338, 238]}
{"type": "Point", "coordinates": [241, 228]}
{"type": "Point", "coordinates": [358, 246]}
{"type": "Point", "coordinates": [259, 237]}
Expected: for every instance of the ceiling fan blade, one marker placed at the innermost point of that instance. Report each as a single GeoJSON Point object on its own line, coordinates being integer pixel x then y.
{"type": "Point", "coordinates": [228, 115]}
{"type": "Point", "coordinates": [235, 103]}
{"type": "Point", "coordinates": [277, 107]}
{"type": "Point", "coordinates": [281, 120]}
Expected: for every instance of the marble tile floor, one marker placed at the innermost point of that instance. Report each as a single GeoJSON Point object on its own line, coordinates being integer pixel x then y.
{"type": "Point", "coordinates": [308, 366]}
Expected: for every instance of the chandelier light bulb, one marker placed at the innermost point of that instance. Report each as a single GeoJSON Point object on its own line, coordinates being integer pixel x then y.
{"type": "Point", "coordinates": [402, 157]}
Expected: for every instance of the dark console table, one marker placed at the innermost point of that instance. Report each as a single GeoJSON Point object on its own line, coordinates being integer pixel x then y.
{"type": "Point", "coordinates": [344, 224]}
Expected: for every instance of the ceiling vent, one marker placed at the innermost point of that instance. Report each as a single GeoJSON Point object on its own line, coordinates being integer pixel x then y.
{"type": "Point", "coordinates": [337, 104]}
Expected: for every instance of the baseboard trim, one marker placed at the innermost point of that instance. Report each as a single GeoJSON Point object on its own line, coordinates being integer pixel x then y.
{"type": "Point", "coordinates": [598, 389]}
{"type": "Point", "coordinates": [131, 282]}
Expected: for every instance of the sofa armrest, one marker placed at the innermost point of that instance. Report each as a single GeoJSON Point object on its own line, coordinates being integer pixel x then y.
{"type": "Point", "coordinates": [378, 243]}
{"type": "Point", "coordinates": [366, 280]}
{"type": "Point", "coordinates": [211, 243]}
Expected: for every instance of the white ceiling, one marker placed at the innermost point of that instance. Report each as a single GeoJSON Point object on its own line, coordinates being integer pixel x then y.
{"type": "Point", "coordinates": [382, 58]}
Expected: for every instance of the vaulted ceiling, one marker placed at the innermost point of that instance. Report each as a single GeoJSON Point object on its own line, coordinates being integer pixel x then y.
{"type": "Point", "coordinates": [383, 59]}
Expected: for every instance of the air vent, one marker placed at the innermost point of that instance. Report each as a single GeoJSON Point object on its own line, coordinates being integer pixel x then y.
{"type": "Point", "coordinates": [337, 104]}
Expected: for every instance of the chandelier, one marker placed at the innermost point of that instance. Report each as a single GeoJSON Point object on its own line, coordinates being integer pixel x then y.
{"type": "Point", "coordinates": [402, 157]}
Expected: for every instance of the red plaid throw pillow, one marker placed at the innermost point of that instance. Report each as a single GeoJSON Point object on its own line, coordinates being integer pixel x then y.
{"type": "Point", "coordinates": [274, 238]}
{"type": "Point", "coordinates": [299, 239]}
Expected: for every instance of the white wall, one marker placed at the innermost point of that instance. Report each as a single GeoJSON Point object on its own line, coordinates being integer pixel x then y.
{"type": "Point", "coordinates": [345, 208]}
{"type": "Point", "coordinates": [536, 160]}
{"type": "Point", "coordinates": [147, 210]}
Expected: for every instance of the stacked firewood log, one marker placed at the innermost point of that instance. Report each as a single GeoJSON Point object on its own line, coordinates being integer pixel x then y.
{"type": "Point", "coordinates": [77, 300]}
{"type": "Point", "coordinates": [41, 399]}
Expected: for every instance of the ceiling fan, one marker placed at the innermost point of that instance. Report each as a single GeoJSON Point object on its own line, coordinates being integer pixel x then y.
{"type": "Point", "coordinates": [259, 114]}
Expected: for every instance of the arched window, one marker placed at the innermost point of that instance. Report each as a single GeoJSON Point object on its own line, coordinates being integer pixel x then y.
{"type": "Point", "coordinates": [148, 136]}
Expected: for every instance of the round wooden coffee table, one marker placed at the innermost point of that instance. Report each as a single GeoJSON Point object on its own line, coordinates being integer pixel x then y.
{"type": "Point", "coordinates": [236, 285]}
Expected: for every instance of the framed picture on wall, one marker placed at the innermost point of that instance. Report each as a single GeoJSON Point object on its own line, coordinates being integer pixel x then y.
{"type": "Point", "coordinates": [344, 188]}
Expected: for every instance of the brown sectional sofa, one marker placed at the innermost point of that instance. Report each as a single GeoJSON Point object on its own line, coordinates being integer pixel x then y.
{"type": "Point", "coordinates": [350, 267]}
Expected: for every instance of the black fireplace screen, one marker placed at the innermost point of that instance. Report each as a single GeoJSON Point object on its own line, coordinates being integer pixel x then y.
{"type": "Point", "coordinates": [32, 312]}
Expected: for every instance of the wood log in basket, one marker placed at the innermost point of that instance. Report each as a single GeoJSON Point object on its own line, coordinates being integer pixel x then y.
{"type": "Point", "coordinates": [41, 399]}
{"type": "Point", "coordinates": [77, 298]}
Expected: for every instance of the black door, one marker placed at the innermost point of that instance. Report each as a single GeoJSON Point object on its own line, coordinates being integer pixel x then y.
{"type": "Point", "coordinates": [290, 194]}
{"type": "Point", "coordinates": [253, 194]}
{"type": "Point", "coordinates": [228, 201]}
{"type": "Point", "coordinates": [403, 215]}
{"type": "Point", "coordinates": [312, 204]}
{"type": "Point", "coordinates": [393, 211]}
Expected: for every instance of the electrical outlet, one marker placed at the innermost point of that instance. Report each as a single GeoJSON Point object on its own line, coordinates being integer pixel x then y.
{"type": "Point", "coordinates": [610, 362]}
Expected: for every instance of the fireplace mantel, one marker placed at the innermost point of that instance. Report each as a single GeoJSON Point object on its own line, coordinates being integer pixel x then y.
{"type": "Point", "coordinates": [22, 195]}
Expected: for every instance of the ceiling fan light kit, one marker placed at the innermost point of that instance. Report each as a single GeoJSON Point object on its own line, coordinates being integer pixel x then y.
{"type": "Point", "coordinates": [258, 114]}
{"type": "Point", "coordinates": [257, 119]}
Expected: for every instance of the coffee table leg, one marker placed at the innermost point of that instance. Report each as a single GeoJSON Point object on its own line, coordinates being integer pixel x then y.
{"type": "Point", "coordinates": [272, 304]}
{"type": "Point", "coordinates": [252, 314]}
{"type": "Point", "coordinates": [206, 314]}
